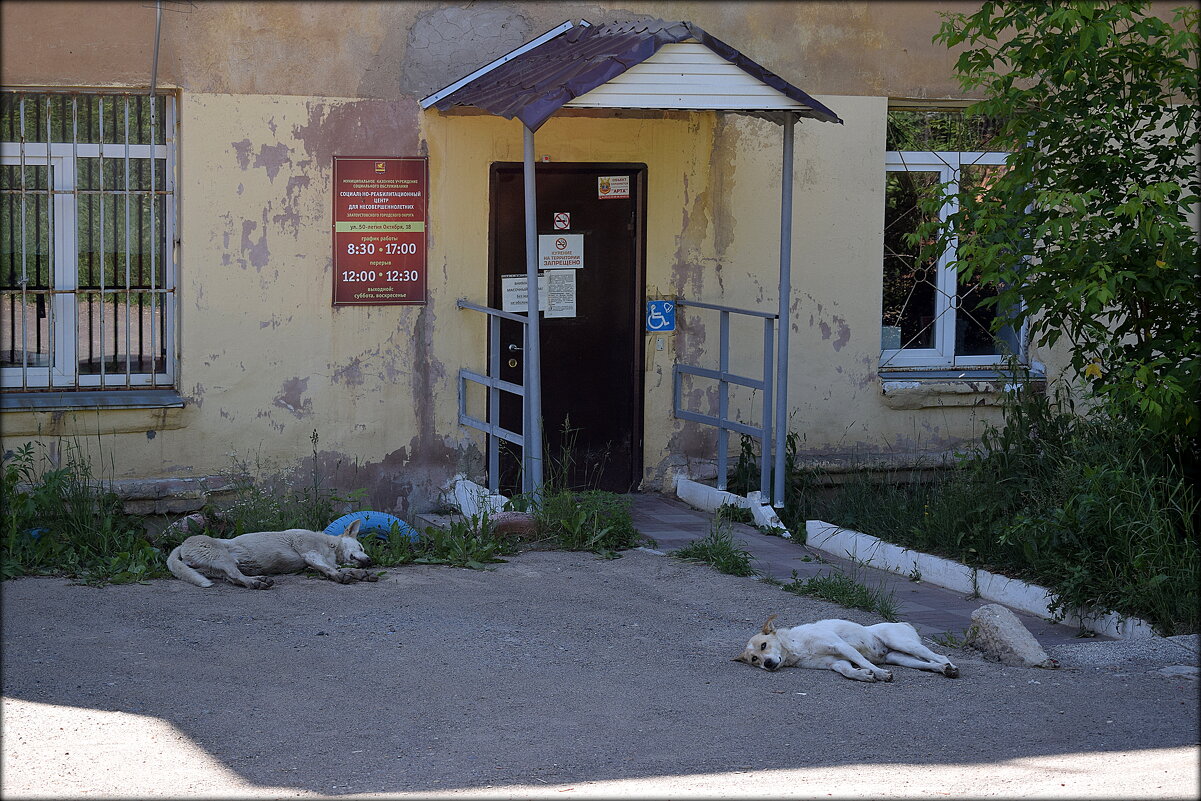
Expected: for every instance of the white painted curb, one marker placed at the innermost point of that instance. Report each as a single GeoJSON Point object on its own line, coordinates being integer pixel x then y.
{"type": "Point", "coordinates": [1029, 598]}
{"type": "Point", "coordinates": [710, 499]}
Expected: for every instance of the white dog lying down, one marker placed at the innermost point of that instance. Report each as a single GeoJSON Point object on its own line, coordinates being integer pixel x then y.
{"type": "Point", "coordinates": [248, 558]}
{"type": "Point", "coordinates": [848, 648]}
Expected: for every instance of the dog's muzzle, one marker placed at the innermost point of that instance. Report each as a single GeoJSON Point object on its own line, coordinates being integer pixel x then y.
{"type": "Point", "coordinates": [366, 561]}
{"type": "Point", "coordinates": [771, 664]}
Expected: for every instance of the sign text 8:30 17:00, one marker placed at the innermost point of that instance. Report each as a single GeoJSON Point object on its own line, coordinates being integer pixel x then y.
{"type": "Point", "coordinates": [392, 248]}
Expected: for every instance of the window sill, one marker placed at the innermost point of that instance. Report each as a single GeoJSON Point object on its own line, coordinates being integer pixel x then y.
{"type": "Point", "coordinates": [934, 388]}
{"type": "Point", "coordinates": [95, 399]}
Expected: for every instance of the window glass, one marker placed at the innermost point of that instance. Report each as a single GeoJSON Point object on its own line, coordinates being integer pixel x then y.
{"type": "Point", "coordinates": [82, 117]}
{"type": "Point", "coordinates": [935, 131]}
{"type": "Point", "coordinates": [931, 316]}
{"type": "Point", "coordinates": [87, 281]}
{"type": "Point", "coordinates": [910, 285]}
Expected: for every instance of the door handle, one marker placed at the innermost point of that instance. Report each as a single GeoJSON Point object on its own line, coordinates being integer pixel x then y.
{"type": "Point", "coordinates": [514, 348]}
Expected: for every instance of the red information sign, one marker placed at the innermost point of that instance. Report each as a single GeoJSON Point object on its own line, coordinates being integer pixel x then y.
{"type": "Point", "coordinates": [379, 230]}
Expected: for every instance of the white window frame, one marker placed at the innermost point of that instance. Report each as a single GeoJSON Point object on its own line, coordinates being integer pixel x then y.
{"type": "Point", "coordinates": [948, 165]}
{"type": "Point", "coordinates": [63, 371]}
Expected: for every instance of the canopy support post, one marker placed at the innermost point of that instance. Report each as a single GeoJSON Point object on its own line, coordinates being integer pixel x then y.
{"type": "Point", "coordinates": [532, 358]}
{"type": "Point", "coordinates": [785, 321]}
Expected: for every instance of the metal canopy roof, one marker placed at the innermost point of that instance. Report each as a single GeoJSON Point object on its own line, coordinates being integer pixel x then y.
{"type": "Point", "coordinates": [537, 79]}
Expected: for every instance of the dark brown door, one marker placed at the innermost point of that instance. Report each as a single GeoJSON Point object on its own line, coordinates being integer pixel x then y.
{"type": "Point", "coordinates": [591, 359]}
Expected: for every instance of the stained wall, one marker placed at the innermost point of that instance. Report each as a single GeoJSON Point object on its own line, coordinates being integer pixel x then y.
{"type": "Point", "coordinates": [270, 92]}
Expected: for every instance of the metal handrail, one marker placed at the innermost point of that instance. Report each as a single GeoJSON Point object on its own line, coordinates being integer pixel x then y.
{"type": "Point", "coordinates": [492, 429]}
{"type": "Point", "coordinates": [724, 378]}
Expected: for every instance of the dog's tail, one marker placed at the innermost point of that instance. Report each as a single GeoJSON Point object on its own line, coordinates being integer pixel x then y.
{"type": "Point", "coordinates": [182, 570]}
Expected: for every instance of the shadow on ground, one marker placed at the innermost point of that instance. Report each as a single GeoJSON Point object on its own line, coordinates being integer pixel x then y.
{"type": "Point", "coordinates": [552, 669]}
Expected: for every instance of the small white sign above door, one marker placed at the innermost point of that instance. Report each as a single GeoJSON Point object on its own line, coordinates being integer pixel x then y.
{"type": "Point", "coordinates": [613, 187]}
{"type": "Point", "coordinates": [560, 251]}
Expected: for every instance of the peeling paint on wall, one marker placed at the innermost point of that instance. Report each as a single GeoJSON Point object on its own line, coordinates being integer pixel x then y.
{"type": "Point", "coordinates": [350, 375]}
{"type": "Point", "coordinates": [242, 152]}
{"type": "Point", "coordinates": [256, 252]}
{"type": "Point", "coordinates": [272, 158]}
{"type": "Point", "coordinates": [291, 397]}
{"type": "Point", "coordinates": [358, 128]}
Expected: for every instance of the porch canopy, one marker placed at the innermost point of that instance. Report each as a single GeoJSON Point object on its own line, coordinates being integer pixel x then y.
{"type": "Point", "coordinates": [641, 64]}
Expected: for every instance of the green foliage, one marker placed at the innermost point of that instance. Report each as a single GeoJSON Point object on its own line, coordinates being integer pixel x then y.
{"type": "Point", "coordinates": [268, 498]}
{"type": "Point", "coordinates": [467, 543]}
{"type": "Point", "coordinates": [60, 520]}
{"type": "Point", "coordinates": [719, 549]}
{"type": "Point", "coordinates": [1083, 505]}
{"type": "Point", "coordinates": [798, 481]}
{"type": "Point", "coordinates": [586, 520]}
{"type": "Point", "coordinates": [847, 590]}
{"type": "Point", "coordinates": [1087, 233]}
{"type": "Point", "coordinates": [570, 513]}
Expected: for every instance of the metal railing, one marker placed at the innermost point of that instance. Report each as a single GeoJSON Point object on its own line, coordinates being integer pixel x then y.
{"type": "Point", "coordinates": [494, 385]}
{"type": "Point", "coordinates": [725, 378]}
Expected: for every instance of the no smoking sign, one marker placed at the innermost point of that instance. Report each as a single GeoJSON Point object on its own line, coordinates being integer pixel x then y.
{"type": "Point", "coordinates": [562, 220]}
{"type": "Point", "coordinates": [560, 251]}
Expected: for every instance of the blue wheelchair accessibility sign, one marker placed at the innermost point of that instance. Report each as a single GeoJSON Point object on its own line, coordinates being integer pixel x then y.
{"type": "Point", "coordinates": [660, 315]}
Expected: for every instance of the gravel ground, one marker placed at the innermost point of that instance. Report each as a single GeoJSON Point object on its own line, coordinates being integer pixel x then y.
{"type": "Point", "coordinates": [555, 673]}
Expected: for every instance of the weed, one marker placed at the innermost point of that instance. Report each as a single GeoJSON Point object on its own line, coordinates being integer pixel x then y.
{"type": "Point", "coordinates": [465, 543]}
{"type": "Point", "coordinates": [270, 498]}
{"type": "Point", "coordinates": [736, 514]}
{"type": "Point", "coordinates": [719, 549]}
{"type": "Point", "coordinates": [1096, 512]}
{"type": "Point", "coordinates": [847, 590]}
{"type": "Point", "coordinates": [62, 520]}
{"type": "Point", "coordinates": [948, 639]}
{"type": "Point", "coordinates": [798, 480]}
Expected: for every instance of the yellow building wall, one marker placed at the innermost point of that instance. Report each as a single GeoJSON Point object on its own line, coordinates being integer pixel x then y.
{"type": "Point", "coordinates": [266, 361]}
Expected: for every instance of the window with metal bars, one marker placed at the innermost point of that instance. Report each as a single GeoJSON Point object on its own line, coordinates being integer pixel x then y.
{"type": "Point", "coordinates": [87, 226]}
{"type": "Point", "coordinates": [932, 316]}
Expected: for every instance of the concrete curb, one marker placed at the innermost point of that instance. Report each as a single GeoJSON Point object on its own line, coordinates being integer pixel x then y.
{"type": "Point", "coordinates": [710, 499]}
{"type": "Point", "coordinates": [1029, 598]}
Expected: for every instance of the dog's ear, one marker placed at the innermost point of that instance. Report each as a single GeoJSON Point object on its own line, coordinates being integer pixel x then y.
{"type": "Point", "coordinates": [740, 658]}
{"type": "Point", "coordinates": [768, 627]}
{"type": "Point", "coordinates": [353, 529]}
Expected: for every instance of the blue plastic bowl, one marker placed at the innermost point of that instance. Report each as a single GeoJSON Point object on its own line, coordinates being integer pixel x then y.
{"type": "Point", "coordinates": [378, 523]}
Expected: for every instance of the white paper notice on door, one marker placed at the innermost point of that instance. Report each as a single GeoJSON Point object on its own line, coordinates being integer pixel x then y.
{"type": "Point", "coordinates": [560, 293]}
{"type": "Point", "coordinates": [556, 293]}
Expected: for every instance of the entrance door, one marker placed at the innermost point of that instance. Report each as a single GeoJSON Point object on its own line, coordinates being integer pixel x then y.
{"type": "Point", "coordinates": [592, 355]}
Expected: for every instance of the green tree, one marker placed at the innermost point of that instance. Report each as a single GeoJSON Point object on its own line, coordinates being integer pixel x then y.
{"type": "Point", "coordinates": [1087, 234]}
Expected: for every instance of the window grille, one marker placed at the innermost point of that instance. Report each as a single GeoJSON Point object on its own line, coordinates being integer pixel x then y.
{"type": "Point", "coordinates": [87, 228]}
{"type": "Point", "coordinates": [932, 316]}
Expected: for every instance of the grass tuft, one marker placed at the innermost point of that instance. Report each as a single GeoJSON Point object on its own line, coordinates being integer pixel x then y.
{"type": "Point", "coordinates": [720, 550]}
{"type": "Point", "coordinates": [847, 590]}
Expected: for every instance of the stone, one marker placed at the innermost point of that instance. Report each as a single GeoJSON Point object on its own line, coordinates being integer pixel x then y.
{"type": "Point", "coordinates": [998, 634]}
{"type": "Point", "coordinates": [515, 525]}
{"type": "Point", "coordinates": [472, 499]}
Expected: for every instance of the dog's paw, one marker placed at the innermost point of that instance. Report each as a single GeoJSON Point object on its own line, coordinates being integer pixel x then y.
{"type": "Point", "coordinates": [950, 671]}
{"type": "Point", "coordinates": [358, 574]}
{"type": "Point", "coordinates": [884, 675]}
{"type": "Point", "coordinates": [260, 583]}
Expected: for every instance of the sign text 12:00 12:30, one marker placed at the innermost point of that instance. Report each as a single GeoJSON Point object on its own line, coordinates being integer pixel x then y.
{"type": "Point", "coordinates": [385, 275]}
